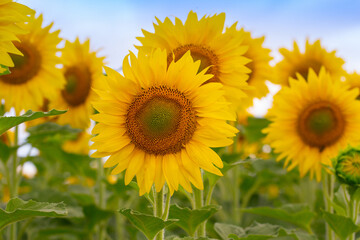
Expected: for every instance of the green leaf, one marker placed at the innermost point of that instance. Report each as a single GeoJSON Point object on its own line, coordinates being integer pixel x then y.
{"type": "Point", "coordinates": [260, 231]}
{"type": "Point", "coordinates": [5, 152]}
{"type": "Point", "coordinates": [342, 226]}
{"type": "Point", "coordinates": [254, 127]}
{"type": "Point", "coordinates": [147, 224]}
{"type": "Point", "coordinates": [4, 70]}
{"type": "Point", "coordinates": [8, 122]}
{"type": "Point", "coordinates": [190, 219]}
{"type": "Point", "coordinates": [17, 210]}
{"type": "Point", "coordinates": [2, 110]}
{"type": "Point", "coordinates": [51, 132]}
{"type": "Point", "coordinates": [298, 215]}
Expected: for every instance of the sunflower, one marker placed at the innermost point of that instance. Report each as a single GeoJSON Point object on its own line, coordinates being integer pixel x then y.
{"type": "Point", "coordinates": [12, 15]}
{"type": "Point", "coordinates": [221, 51]}
{"type": "Point", "coordinates": [80, 145]}
{"type": "Point", "coordinates": [314, 57]}
{"type": "Point", "coordinates": [159, 122]}
{"type": "Point", "coordinates": [347, 166]}
{"type": "Point", "coordinates": [312, 120]}
{"type": "Point", "coordinates": [34, 76]}
{"type": "Point", "coordinates": [259, 67]}
{"type": "Point", "coordinates": [82, 70]}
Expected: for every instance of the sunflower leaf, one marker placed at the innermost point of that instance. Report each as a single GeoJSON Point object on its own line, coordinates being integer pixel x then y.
{"type": "Point", "coordinates": [190, 219]}
{"type": "Point", "coordinates": [147, 224]}
{"type": "Point", "coordinates": [8, 122]}
{"type": "Point", "coordinates": [260, 231]}
{"type": "Point", "coordinates": [17, 210]}
{"type": "Point", "coordinates": [342, 226]}
{"type": "Point", "coordinates": [296, 214]}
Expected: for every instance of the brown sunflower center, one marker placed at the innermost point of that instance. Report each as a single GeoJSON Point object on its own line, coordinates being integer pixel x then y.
{"type": "Point", "coordinates": [25, 67]}
{"type": "Point", "coordinates": [78, 85]}
{"type": "Point", "coordinates": [160, 120]}
{"type": "Point", "coordinates": [303, 68]}
{"type": "Point", "coordinates": [202, 53]}
{"type": "Point", "coordinates": [321, 124]}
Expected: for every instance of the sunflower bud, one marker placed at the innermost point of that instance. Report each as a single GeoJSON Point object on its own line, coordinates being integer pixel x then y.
{"type": "Point", "coordinates": [347, 166]}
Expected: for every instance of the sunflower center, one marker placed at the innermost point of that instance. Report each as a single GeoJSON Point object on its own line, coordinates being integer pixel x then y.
{"type": "Point", "coordinates": [78, 85]}
{"type": "Point", "coordinates": [321, 124]}
{"type": "Point", "coordinates": [202, 53]}
{"type": "Point", "coordinates": [25, 67]}
{"type": "Point", "coordinates": [304, 67]}
{"type": "Point", "coordinates": [160, 120]}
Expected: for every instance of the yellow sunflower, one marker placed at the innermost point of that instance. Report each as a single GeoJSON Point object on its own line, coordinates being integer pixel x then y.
{"type": "Point", "coordinates": [314, 57]}
{"type": "Point", "coordinates": [312, 120]}
{"type": "Point", "coordinates": [80, 145]}
{"type": "Point", "coordinates": [159, 122]}
{"type": "Point", "coordinates": [34, 76]}
{"type": "Point", "coordinates": [259, 67]}
{"type": "Point", "coordinates": [82, 70]}
{"type": "Point", "coordinates": [221, 51]}
{"type": "Point", "coordinates": [12, 15]}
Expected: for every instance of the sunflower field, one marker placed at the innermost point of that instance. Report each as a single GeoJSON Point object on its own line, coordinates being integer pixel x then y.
{"type": "Point", "coordinates": [166, 146]}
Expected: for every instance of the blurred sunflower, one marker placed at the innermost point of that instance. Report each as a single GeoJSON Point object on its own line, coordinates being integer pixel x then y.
{"type": "Point", "coordinates": [159, 121]}
{"type": "Point", "coordinates": [347, 166]}
{"type": "Point", "coordinates": [314, 57]}
{"type": "Point", "coordinates": [82, 70]}
{"type": "Point", "coordinates": [80, 145]}
{"type": "Point", "coordinates": [34, 76]}
{"type": "Point", "coordinates": [312, 120]}
{"type": "Point", "coordinates": [12, 15]}
{"type": "Point", "coordinates": [259, 67]}
{"type": "Point", "coordinates": [221, 51]}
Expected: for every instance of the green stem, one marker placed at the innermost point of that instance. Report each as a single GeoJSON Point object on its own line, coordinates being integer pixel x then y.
{"type": "Point", "coordinates": [101, 200]}
{"type": "Point", "coordinates": [167, 206]}
{"type": "Point", "coordinates": [209, 195]}
{"type": "Point", "coordinates": [199, 203]}
{"type": "Point", "coordinates": [247, 197]}
{"type": "Point", "coordinates": [158, 210]}
{"type": "Point", "coordinates": [13, 184]}
{"type": "Point", "coordinates": [328, 188]}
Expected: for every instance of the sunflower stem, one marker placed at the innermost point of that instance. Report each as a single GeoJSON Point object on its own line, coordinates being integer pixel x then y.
{"type": "Point", "coordinates": [158, 210]}
{"type": "Point", "coordinates": [167, 206]}
{"type": "Point", "coordinates": [328, 188]}
{"type": "Point", "coordinates": [13, 181]}
{"type": "Point", "coordinates": [101, 200]}
{"type": "Point", "coordinates": [199, 203]}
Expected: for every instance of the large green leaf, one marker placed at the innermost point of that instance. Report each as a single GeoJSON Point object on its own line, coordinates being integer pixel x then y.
{"type": "Point", "coordinates": [342, 226]}
{"type": "Point", "coordinates": [17, 210]}
{"type": "Point", "coordinates": [51, 132]}
{"type": "Point", "coordinates": [298, 215]}
{"type": "Point", "coordinates": [8, 122]}
{"type": "Point", "coordinates": [190, 219]}
{"type": "Point", "coordinates": [147, 224]}
{"type": "Point", "coordinates": [260, 231]}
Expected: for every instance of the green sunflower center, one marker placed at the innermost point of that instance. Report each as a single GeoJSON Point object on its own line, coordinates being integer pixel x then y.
{"type": "Point", "coordinates": [78, 85]}
{"type": "Point", "coordinates": [321, 124]}
{"type": "Point", "coordinates": [303, 68]}
{"type": "Point", "coordinates": [206, 56]}
{"type": "Point", "coordinates": [25, 67]}
{"type": "Point", "coordinates": [160, 120]}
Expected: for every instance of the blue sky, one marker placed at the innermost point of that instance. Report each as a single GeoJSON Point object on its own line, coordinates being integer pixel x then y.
{"type": "Point", "coordinates": [113, 25]}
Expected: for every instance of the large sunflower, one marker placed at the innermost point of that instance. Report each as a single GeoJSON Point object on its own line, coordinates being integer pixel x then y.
{"type": "Point", "coordinates": [82, 70]}
{"type": "Point", "coordinates": [312, 121]}
{"type": "Point", "coordinates": [221, 51]}
{"type": "Point", "coordinates": [314, 57]}
{"type": "Point", "coordinates": [159, 122]}
{"type": "Point", "coordinates": [34, 76]}
{"type": "Point", "coordinates": [259, 67]}
{"type": "Point", "coordinates": [12, 15]}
